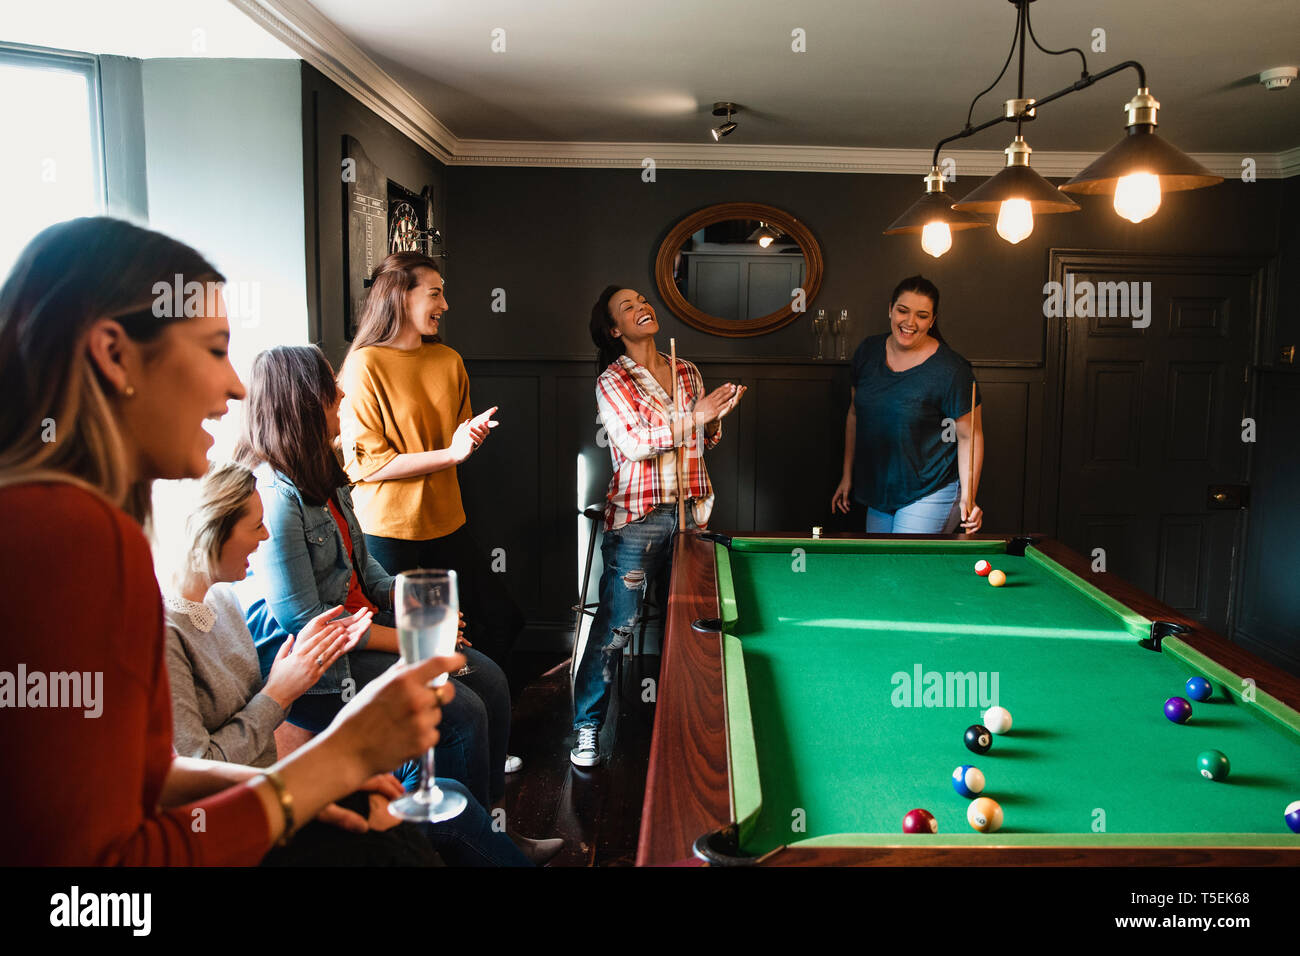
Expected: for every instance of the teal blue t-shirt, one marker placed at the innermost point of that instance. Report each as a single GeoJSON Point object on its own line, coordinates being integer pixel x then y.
{"type": "Point", "coordinates": [899, 455]}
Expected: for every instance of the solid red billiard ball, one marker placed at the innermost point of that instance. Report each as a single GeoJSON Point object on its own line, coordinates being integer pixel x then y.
{"type": "Point", "coordinates": [920, 821]}
{"type": "Point", "coordinates": [982, 568]}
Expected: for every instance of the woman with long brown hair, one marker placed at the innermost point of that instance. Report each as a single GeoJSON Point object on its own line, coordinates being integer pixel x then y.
{"type": "Point", "coordinates": [107, 380]}
{"type": "Point", "coordinates": [406, 425]}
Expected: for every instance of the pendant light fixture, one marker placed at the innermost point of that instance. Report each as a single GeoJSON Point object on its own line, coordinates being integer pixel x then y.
{"type": "Point", "coordinates": [1135, 171]}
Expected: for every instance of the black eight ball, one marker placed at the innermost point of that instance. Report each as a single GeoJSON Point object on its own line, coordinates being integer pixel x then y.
{"type": "Point", "coordinates": [978, 739]}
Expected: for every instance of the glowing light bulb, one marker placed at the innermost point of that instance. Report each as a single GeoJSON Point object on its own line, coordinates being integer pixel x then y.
{"type": "Point", "coordinates": [1015, 220]}
{"type": "Point", "coordinates": [1137, 196]}
{"type": "Point", "coordinates": [936, 238]}
{"type": "Point", "coordinates": [765, 241]}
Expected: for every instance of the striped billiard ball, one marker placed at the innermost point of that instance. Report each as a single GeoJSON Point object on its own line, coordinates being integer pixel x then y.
{"type": "Point", "coordinates": [1292, 816]}
{"type": "Point", "coordinates": [982, 568]}
{"type": "Point", "coordinates": [968, 781]}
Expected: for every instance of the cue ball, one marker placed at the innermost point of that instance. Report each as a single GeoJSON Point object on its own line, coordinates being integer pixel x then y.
{"type": "Point", "coordinates": [982, 568]}
{"type": "Point", "coordinates": [1213, 765]}
{"type": "Point", "coordinates": [978, 739]}
{"type": "Point", "coordinates": [1178, 710]}
{"type": "Point", "coordinates": [920, 821]}
{"type": "Point", "coordinates": [1198, 688]}
{"type": "Point", "coordinates": [997, 719]}
{"type": "Point", "coordinates": [984, 815]}
{"type": "Point", "coordinates": [1292, 816]}
{"type": "Point", "coordinates": [997, 578]}
{"type": "Point", "coordinates": [968, 781]}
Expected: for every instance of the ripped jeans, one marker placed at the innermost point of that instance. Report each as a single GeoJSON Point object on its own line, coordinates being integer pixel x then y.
{"type": "Point", "coordinates": [635, 556]}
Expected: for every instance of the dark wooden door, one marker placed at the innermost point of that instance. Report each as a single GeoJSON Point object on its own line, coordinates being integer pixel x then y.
{"type": "Point", "coordinates": [1152, 418]}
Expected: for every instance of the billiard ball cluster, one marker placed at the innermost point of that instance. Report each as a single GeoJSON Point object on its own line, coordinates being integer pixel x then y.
{"type": "Point", "coordinates": [984, 813]}
{"type": "Point", "coordinates": [985, 570]}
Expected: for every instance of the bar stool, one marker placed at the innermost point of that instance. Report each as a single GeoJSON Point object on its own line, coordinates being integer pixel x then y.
{"type": "Point", "coordinates": [648, 612]}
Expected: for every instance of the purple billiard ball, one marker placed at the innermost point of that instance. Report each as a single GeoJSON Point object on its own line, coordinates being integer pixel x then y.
{"type": "Point", "coordinates": [1292, 816]}
{"type": "Point", "coordinates": [1178, 710]}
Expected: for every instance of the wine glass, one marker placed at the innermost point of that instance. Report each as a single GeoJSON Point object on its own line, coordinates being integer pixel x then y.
{"type": "Point", "coordinates": [842, 332]}
{"type": "Point", "coordinates": [427, 605]}
{"type": "Point", "coordinates": [819, 329]}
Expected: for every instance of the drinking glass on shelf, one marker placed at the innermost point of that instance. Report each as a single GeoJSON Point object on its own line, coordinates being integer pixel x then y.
{"type": "Point", "coordinates": [427, 605]}
{"type": "Point", "coordinates": [819, 329]}
{"type": "Point", "coordinates": [842, 332]}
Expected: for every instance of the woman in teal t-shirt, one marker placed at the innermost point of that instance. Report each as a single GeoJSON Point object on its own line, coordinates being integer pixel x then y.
{"type": "Point", "coordinates": [908, 433]}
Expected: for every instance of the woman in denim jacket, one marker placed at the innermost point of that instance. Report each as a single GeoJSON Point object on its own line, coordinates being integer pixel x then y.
{"type": "Point", "coordinates": [307, 567]}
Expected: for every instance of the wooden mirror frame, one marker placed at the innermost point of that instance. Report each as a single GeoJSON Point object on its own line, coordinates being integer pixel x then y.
{"type": "Point", "coordinates": [721, 212]}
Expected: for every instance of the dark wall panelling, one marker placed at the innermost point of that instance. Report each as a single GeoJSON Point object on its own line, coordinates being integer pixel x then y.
{"type": "Point", "coordinates": [328, 115]}
{"type": "Point", "coordinates": [1268, 618]}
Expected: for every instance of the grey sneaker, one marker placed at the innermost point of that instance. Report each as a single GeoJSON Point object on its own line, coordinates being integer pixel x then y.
{"type": "Point", "coordinates": [587, 752]}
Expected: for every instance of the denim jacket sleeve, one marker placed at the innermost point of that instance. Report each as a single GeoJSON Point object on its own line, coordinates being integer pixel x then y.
{"type": "Point", "coordinates": [289, 580]}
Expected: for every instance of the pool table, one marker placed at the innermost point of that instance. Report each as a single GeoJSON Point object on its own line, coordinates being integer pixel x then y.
{"type": "Point", "coordinates": [812, 691]}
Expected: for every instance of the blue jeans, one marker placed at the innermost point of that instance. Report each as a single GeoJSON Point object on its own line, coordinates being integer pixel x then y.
{"type": "Point", "coordinates": [468, 838]}
{"type": "Point", "coordinates": [635, 556]}
{"type": "Point", "coordinates": [937, 513]}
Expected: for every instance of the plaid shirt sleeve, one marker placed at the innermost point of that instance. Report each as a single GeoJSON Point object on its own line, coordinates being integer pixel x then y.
{"type": "Point", "coordinates": [636, 437]}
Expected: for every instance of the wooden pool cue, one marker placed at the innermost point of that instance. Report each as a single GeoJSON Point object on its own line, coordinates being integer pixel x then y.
{"type": "Point", "coordinates": [680, 451]}
{"type": "Point", "coordinates": [970, 475]}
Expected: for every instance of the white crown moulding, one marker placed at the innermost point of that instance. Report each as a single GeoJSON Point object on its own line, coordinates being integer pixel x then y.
{"type": "Point", "coordinates": [319, 42]}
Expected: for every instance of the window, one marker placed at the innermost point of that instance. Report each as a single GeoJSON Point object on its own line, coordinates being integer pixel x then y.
{"type": "Point", "coordinates": [51, 165]}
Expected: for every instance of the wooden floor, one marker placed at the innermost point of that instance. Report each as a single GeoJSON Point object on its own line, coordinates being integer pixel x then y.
{"type": "Point", "coordinates": [596, 811]}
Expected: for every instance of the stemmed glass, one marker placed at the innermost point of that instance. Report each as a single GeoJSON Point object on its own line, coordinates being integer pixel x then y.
{"type": "Point", "coordinates": [819, 329]}
{"type": "Point", "coordinates": [841, 329]}
{"type": "Point", "coordinates": [427, 606]}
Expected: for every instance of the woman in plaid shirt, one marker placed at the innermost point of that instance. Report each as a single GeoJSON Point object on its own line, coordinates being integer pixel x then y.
{"type": "Point", "coordinates": [634, 394]}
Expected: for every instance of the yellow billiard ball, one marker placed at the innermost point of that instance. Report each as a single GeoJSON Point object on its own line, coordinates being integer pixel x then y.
{"type": "Point", "coordinates": [997, 578]}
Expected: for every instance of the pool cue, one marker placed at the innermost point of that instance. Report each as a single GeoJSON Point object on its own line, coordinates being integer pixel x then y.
{"type": "Point", "coordinates": [681, 449]}
{"type": "Point", "coordinates": [970, 475]}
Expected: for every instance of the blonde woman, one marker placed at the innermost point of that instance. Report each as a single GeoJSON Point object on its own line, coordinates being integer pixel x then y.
{"type": "Point", "coordinates": [224, 711]}
{"type": "Point", "coordinates": [106, 387]}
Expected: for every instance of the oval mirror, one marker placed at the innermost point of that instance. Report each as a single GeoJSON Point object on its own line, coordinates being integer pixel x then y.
{"type": "Point", "coordinates": [735, 269]}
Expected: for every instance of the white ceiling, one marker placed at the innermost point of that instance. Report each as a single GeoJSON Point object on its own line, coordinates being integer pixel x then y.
{"type": "Point", "coordinates": [139, 28]}
{"type": "Point", "coordinates": [877, 73]}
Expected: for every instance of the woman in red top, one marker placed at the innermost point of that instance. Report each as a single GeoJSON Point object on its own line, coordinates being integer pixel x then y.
{"type": "Point", "coordinates": [113, 347]}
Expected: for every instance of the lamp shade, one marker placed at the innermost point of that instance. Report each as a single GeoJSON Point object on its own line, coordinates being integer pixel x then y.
{"type": "Point", "coordinates": [1142, 151]}
{"type": "Point", "coordinates": [932, 207]}
{"type": "Point", "coordinates": [1017, 182]}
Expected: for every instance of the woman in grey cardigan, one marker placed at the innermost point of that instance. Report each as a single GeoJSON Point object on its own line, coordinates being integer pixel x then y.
{"type": "Point", "coordinates": [222, 710]}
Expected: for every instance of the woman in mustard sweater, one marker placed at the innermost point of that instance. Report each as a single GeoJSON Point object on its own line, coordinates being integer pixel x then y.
{"type": "Point", "coordinates": [406, 425]}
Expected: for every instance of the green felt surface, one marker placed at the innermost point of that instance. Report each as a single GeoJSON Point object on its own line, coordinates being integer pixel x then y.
{"type": "Point", "coordinates": [824, 633]}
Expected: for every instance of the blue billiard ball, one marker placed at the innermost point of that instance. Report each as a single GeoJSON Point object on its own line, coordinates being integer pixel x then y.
{"type": "Point", "coordinates": [1178, 710]}
{"type": "Point", "coordinates": [968, 781]}
{"type": "Point", "coordinates": [1292, 816]}
{"type": "Point", "coordinates": [1198, 688]}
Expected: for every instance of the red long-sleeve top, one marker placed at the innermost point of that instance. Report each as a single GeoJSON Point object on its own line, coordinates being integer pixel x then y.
{"type": "Point", "coordinates": [78, 594]}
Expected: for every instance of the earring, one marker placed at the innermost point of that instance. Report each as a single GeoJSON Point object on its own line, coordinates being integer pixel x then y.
{"type": "Point", "coordinates": [129, 391]}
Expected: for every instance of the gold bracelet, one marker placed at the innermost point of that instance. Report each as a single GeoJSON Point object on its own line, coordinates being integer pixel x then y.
{"type": "Point", "coordinates": [286, 804]}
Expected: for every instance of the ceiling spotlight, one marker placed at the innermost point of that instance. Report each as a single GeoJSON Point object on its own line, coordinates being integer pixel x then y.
{"type": "Point", "coordinates": [727, 128]}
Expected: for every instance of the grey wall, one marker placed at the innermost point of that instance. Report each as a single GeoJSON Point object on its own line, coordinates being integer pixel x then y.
{"type": "Point", "coordinates": [225, 173]}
